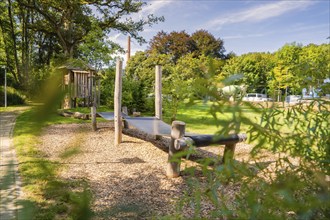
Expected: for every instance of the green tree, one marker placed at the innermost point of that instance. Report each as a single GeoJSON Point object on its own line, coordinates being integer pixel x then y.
{"type": "Point", "coordinates": [179, 44]}
{"type": "Point", "coordinates": [191, 78]}
{"type": "Point", "coordinates": [286, 72]}
{"type": "Point", "coordinates": [9, 35]}
{"type": "Point", "coordinates": [96, 49]}
{"type": "Point", "coordinates": [206, 44]}
{"type": "Point", "coordinates": [314, 64]}
{"type": "Point", "coordinates": [176, 44]}
{"type": "Point", "coordinates": [140, 77]}
{"type": "Point", "coordinates": [254, 70]}
{"type": "Point", "coordinates": [70, 21]}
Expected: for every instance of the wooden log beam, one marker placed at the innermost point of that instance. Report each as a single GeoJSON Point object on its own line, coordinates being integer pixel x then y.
{"type": "Point", "coordinates": [207, 140]}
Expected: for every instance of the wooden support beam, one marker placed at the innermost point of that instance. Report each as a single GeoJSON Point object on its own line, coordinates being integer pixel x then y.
{"type": "Point", "coordinates": [158, 92]}
{"type": "Point", "coordinates": [124, 110]}
{"type": "Point", "coordinates": [228, 154]}
{"type": "Point", "coordinates": [173, 165]}
{"type": "Point", "coordinates": [117, 103]}
{"type": "Point", "coordinates": [99, 92]}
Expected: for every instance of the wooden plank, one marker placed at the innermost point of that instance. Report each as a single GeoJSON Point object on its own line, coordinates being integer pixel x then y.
{"type": "Point", "coordinates": [107, 115]}
{"type": "Point", "coordinates": [149, 125]}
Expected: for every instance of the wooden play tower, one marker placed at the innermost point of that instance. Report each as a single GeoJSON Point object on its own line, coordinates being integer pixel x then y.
{"type": "Point", "coordinates": [81, 86]}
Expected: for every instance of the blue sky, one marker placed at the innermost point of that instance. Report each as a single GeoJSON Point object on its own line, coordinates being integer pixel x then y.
{"type": "Point", "coordinates": [245, 26]}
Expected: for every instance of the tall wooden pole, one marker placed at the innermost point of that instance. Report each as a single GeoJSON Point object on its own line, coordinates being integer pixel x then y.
{"type": "Point", "coordinates": [93, 108]}
{"type": "Point", "coordinates": [128, 53]}
{"type": "Point", "coordinates": [99, 92]}
{"type": "Point", "coordinates": [5, 87]}
{"type": "Point", "coordinates": [117, 103]}
{"type": "Point", "coordinates": [158, 92]}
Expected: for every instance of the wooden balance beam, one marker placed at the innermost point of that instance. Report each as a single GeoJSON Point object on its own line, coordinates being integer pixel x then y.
{"type": "Point", "coordinates": [179, 141]}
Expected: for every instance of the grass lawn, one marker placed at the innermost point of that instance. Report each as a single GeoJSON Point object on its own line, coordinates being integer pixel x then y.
{"type": "Point", "coordinates": [199, 119]}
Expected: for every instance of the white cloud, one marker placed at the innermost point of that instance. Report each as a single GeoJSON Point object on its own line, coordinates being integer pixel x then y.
{"type": "Point", "coordinates": [240, 36]}
{"type": "Point", "coordinates": [155, 6]}
{"type": "Point", "coordinates": [115, 37]}
{"type": "Point", "coordinates": [260, 13]}
{"type": "Point", "coordinates": [152, 7]}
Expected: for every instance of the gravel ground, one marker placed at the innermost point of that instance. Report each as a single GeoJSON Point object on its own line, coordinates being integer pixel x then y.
{"type": "Point", "coordinates": [127, 181]}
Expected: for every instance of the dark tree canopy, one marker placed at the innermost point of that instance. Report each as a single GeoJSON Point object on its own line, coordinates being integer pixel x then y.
{"type": "Point", "coordinates": [71, 20]}
{"type": "Point", "coordinates": [34, 34]}
{"type": "Point", "coordinates": [206, 44]}
{"type": "Point", "coordinates": [178, 44]}
{"type": "Point", "coordinates": [175, 44]}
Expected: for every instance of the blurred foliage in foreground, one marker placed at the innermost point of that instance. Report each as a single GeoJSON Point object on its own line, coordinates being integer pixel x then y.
{"type": "Point", "coordinates": [50, 196]}
{"type": "Point", "coordinates": [285, 177]}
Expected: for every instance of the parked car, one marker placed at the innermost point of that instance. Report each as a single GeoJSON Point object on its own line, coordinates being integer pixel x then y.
{"type": "Point", "coordinates": [256, 97]}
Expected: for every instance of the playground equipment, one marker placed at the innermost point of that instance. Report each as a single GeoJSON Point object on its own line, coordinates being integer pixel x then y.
{"type": "Point", "coordinates": [233, 92]}
{"type": "Point", "coordinates": [79, 82]}
{"type": "Point", "coordinates": [155, 126]}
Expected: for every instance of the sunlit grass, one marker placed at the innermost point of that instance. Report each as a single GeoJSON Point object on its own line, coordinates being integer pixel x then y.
{"type": "Point", "coordinates": [199, 119]}
{"type": "Point", "coordinates": [53, 197]}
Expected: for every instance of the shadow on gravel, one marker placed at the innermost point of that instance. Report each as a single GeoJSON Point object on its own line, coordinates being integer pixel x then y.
{"type": "Point", "coordinates": [143, 196]}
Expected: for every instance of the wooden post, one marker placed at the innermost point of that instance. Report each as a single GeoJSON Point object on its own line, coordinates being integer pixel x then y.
{"type": "Point", "coordinates": [124, 110]}
{"type": "Point", "coordinates": [93, 108]}
{"type": "Point", "coordinates": [128, 54]}
{"type": "Point", "coordinates": [228, 154]}
{"type": "Point", "coordinates": [158, 92]}
{"type": "Point", "coordinates": [99, 92]}
{"type": "Point", "coordinates": [91, 89]}
{"type": "Point", "coordinates": [173, 164]}
{"type": "Point", "coordinates": [75, 87]}
{"type": "Point", "coordinates": [5, 87]}
{"type": "Point", "coordinates": [117, 103]}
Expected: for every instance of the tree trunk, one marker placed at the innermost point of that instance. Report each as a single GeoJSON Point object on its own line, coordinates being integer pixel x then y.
{"type": "Point", "coordinates": [6, 33]}
{"type": "Point", "coordinates": [25, 16]}
{"type": "Point", "coordinates": [13, 36]}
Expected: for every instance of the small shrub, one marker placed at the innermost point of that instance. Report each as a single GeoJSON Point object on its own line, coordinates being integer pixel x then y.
{"type": "Point", "coordinates": [14, 97]}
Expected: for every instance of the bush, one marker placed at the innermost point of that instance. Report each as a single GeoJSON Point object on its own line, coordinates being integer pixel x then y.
{"type": "Point", "coordinates": [37, 79]}
{"type": "Point", "coordinates": [108, 88]}
{"type": "Point", "coordinates": [135, 95]}
{"type": "Point", "coordinates": [14, 97]}
{"type": "Point", "coordinates": [134, 92]}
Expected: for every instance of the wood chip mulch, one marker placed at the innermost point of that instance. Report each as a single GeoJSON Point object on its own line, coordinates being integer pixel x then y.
{"type": "Point", "coordinates": [127, 181]}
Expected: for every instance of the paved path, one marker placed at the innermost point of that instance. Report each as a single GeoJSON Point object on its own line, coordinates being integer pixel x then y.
{"type": "Point", "coordinates": [10, 184]}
